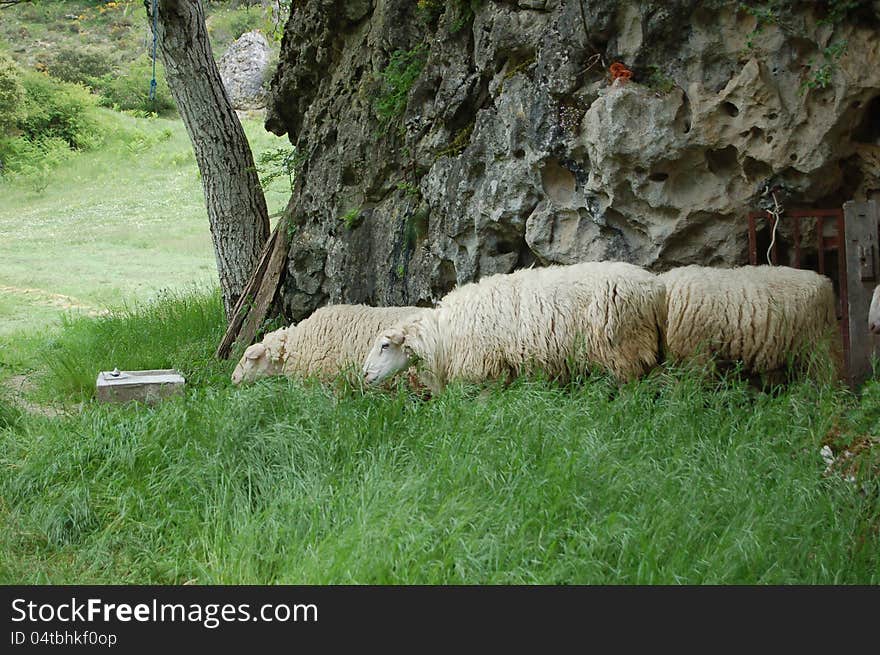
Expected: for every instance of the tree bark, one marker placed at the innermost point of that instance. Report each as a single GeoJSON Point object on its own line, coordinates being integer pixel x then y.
{"type": "Point", "coordinates": [236, 206]}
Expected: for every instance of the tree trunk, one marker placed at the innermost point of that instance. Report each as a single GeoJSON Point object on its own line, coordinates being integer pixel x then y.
{"type": "Point", "coordinates": [236, 206]}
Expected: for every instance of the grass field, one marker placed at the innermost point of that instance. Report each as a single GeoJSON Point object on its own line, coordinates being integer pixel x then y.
{"type": "Point", "coordinates": [674, 479]}
{"type": "Point", "coordinates": [115, 224]}
{"type": "Point", "coordinates": [669, 480]}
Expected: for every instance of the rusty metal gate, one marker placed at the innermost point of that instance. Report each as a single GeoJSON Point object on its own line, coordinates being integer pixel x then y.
{"type": "Point", "coordinates": [854, 240]}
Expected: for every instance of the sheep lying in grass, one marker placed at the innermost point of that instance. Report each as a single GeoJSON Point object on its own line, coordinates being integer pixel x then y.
{"type": "Point", "coordinates": [262, 359]}
{"type": "Point", "coordinates": [874, 312]}
{"type": "Point", "coordinates": [558, 320]}
{"type": "Point", "coordinates": [762, 316]}
{"type": "Point", "coordinates": [331, 340]}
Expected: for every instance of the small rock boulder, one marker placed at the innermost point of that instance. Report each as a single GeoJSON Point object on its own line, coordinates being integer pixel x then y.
{"type": "Point", "coordinates": [243, 69]}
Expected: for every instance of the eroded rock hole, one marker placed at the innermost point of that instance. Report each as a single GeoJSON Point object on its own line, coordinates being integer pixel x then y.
{"type": "Point", "coordinates": [559, 183]}
{"type": "Point", "coordinates": [756, 169]}
{"type": "Point", "coordinates": [658, 177]}
{"type": "Point", "coordinates": [868, 129]}
{"type": "Point", "coordinates": [730, 109]}
{"type": "Point", "coordinates": [723, 161]}
{"type": "Point", "coordinates": [446, 278]}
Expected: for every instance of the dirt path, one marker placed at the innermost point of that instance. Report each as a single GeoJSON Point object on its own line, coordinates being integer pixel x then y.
{"type": "Point", "coordinates": [53, 299]}
{"type": "Point", "coordinates": [21, 385]}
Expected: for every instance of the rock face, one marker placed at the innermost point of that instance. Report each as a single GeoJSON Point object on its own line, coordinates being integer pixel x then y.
{"type": "Point", "coordinates": [243, 70]}
{"type": "Point", "coordinates": [513, 146]}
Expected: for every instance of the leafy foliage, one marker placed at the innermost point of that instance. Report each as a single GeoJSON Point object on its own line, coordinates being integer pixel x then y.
{"type": "Point", "coordinates": [659, 81]}
{"type": "Point", "coordinates": [58, 110]}
{"type": "Point", "coordinates": [352, 218]}
{"type": "Point", "coordinates": [821, 72]}
{"type": "Point", "coordinates": [129, 89]}
{"type": "Point", "coordinates": [78, 65]}
{"type": "Point", "coordinates": [12, 94]}
{"type": "Point", "coordinates": [838, 10]}
{"type": "Point", "coordinates": [279, 163]}
{"type": "Point", "coordinates": [465, 12]}
{"type": "Point", "coordinates": [397, 78]}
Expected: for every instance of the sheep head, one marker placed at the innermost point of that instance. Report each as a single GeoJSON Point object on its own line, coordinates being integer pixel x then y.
{"type": "Point", "coordinates": [261, 359]}
{"type": "Point", "coordinates": [388, 356]}
{"type": "Point", "coordinates": [874, 312]}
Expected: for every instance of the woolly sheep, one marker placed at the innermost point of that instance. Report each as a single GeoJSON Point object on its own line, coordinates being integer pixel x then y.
{"type": "Point", "coordinates": [332, 339]}
{"type": "Point", "coordinates": [874, 312]}
{"type": "Point", "coordinates": [757, 315]}
{"type": "Point", "coordinates": [262, 359]}
{"type": "Point", "coordinates": [548, 319]}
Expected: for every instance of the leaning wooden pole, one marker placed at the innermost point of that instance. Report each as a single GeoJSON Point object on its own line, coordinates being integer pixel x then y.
{"type": "Point", "coordinates": [260, 290]}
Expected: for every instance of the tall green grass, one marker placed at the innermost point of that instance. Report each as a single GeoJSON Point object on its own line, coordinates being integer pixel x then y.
{"type": "Point", "coordinates": [673, 479]}
{"type": "Point", "coordinates": [175, 330]}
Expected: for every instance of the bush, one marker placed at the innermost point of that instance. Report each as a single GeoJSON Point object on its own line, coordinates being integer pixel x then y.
{"type": "Point", "coordinates": [33, 159]}
{"type": "Point", "coordinates": [58, 110]}
{"type": "Point", "coordinates": [130, 90]}
{"type": "Point", "coordinates": [397, 78]}
{"type": "Point", "coordinates": [224, 27]}
{"type": "Point", "coordinates": [81, 66]}
{"type": "Point", "coordinates": [42, 119]}
{"type": "Point", "coordinates": [12, 94]}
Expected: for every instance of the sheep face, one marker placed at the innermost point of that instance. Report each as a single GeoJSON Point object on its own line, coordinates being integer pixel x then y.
{"type": "Point", "coordinates": [255, 363]}
{"type": "Point", "coordinates": [874, 312]}
{"type": "Point", "coordinates": [388, 356]}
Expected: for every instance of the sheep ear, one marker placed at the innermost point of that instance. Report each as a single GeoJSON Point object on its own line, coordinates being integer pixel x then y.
{"type": "Point", "coordinates": [395, 337]}
{"type": "Point", "coordinates": [255, 352]}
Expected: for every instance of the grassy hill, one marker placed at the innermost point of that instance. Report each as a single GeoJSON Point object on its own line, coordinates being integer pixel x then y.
{"type": "Point", "coordinates": [35, 32]}
{"type": "Point", "coordinates": [115, 224]}
{"type": "Point", "coordinates": [87, 227]}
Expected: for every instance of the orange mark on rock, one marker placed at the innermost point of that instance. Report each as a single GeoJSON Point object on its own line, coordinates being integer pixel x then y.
{"type": "Point", "coordinates": [619, 72]}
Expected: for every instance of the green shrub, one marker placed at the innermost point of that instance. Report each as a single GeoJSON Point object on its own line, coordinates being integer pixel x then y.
{"type": "Point", "coordinates": [79, 65]}
{"type": "Point", "coordinates": [12, 94]}
{"type": "Point", "coordinates": [42, 119]}
{"type": "Point", "coordinates": [352, 218]}
{"type": "Point", "coordinates": [224, 27]}
{"type": "Point", "coordinates": [822, 71]}
{"type": "Point", "coordinates": [33, 159]}
{"type": "Point", "coordinates": [130, 89]}
{"type": "Point", "coordinates": [465, 11]}
{"type": "Point", "coordinates": [659, 80]}
{"type": "Point", "coordinates": [397, 78]}
{"type": "Point", "coordinates": [279, 163]}
{"type": "Point", "coordinates": [59, 110]}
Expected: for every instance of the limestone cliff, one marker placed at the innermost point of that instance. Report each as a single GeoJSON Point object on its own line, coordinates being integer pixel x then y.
{"type": "Point", "coordinates": [444, 141]}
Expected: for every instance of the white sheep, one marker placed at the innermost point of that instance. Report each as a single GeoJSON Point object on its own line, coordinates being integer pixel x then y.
{"type": "Point", "coordinates": [558, 320]}
{"type": "Point", "coordinates": [874, 312]}
{"type": "Point", "coordinates": [758, 315]}
{"type": "Point", "coordinates": [331, 340]}
{"type": "Point", "coordinates": [262, 359]}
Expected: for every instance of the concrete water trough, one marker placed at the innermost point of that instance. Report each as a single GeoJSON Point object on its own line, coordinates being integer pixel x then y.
{"type": "Point", "coordinates": [143, 386]}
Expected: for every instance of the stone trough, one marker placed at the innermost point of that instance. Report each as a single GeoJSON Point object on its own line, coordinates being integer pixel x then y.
{"type": "Point", "coordinates": [144, 386]}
